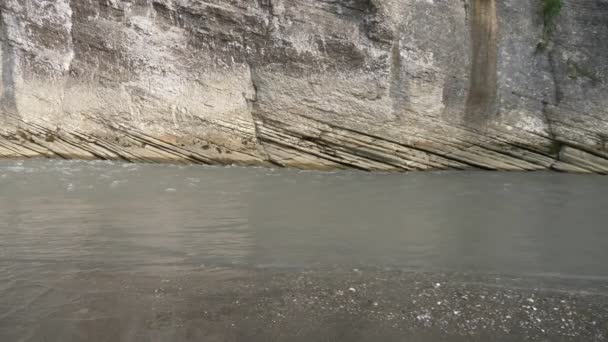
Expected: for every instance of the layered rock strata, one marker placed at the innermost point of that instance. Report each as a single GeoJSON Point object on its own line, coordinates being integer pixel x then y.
{"type": "Point", "coordinates": [321, 84]}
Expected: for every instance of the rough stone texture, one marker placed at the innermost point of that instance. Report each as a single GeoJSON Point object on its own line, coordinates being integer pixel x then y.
{"type": "Point", "coordinates": [367, 84]}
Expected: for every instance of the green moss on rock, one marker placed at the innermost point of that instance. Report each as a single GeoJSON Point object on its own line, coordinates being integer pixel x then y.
{"type": "Point", "coordinates": [551, 9]}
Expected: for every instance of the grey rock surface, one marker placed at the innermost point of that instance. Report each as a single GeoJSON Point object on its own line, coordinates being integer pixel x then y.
{"type": "Point", "coordinates": [366, 84]}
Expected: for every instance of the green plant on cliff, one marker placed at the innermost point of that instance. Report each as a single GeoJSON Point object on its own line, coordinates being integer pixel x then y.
{"type": "Point", "coordinates": [551, 9]}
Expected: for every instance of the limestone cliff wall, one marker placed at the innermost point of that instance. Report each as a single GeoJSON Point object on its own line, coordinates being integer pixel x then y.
{"type": "Point", "coordinates": [367, 84]}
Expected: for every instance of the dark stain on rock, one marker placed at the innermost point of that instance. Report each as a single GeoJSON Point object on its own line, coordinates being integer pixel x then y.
{"type": "Point", "coordinates": [8, 101]}
{"type": "Point", "coordinates": [343, 53]}
{"type": "Point", "coordinates": [481, 99]}
{"type": "Point", "coordinates": [164, 14]}
{"type": "Point", "coordinates": [374, 27]}
{"type": "Point", "coordinates": [397, 91]}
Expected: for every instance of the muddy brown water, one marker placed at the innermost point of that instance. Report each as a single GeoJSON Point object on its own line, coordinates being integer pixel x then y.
{"type": "Point", "coordinates": [110, 251]}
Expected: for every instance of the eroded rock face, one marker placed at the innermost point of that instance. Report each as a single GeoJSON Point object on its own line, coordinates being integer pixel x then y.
{"type": "Point", "coordinates": [367, 84]}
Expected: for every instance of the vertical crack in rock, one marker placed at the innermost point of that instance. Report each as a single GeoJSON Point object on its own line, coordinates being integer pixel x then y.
{"type": "Point", "coordinates": [465, 5]}
{"type": "Point", "coordinates": [558, 95]}
{"type": "Point", "coordinates": [556, 145]}
{"type": "Point", "coordinates": [252, 103]}
{"type": "Point", "coordinates": [397, 89]}
{"type": "Point", "coordinates": [70, 43]}
{"type": "Point", "coordinates": [70, 47]}
{"type": "Point", "coordinates": [483, 77]}
{"type": "Point", "coordinates": [8, 101]}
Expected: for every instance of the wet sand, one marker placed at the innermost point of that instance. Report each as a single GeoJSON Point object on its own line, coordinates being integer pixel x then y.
{"type": "Point", "coordinates": [229, 304]}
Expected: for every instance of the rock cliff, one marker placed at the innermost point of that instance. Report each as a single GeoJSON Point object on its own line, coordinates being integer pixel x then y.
{"type": "Point", "coordinates": [366, 84]}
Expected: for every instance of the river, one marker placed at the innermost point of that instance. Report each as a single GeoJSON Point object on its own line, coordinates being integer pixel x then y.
{"type": "Point", "coordinates": [113, 251]}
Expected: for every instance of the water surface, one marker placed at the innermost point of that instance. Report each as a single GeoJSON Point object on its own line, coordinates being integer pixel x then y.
{"type": "Point", "coordinates": [105, 251]}
{"type": "Point", "coordinates": [74, 216]}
